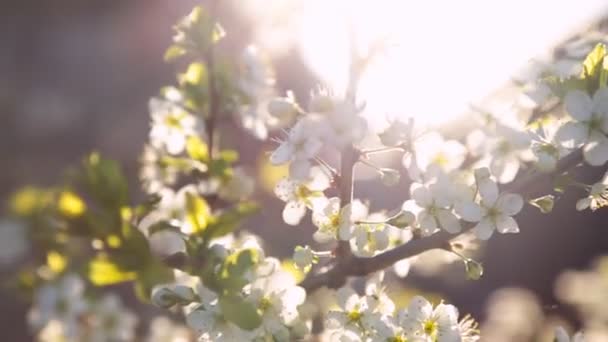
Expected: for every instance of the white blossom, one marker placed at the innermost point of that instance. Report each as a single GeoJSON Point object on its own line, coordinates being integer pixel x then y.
{"type": "Point", "coordinates": [597, 198]}
{"type": "Point", "coordinates": [171, 126]}
{"type": "Point", "coordinates": [163, 329]}
{"type": "Point", "coordinates": [493, 212]}
{"type": "Point", "coordinates": [303, 257]}
{"type": "Point", "coordinates": [335, 223]}
{"type": "Point", "coordinates": [432, 155]}
{"type": "Point", "coordinates": [589, 126]}
{"type": "Point", "coordinates": [111, 321]}
{"type": "Point", "coordinates": [303, 143]}
{"type": "Point", "coordinates": [300, 195]}
{"type": "Point", "coordinates": [439, 323]}
{"type": "Point", "coordinates": [433, 208]}
{"type": "Point", "coordinates": [62, 302]}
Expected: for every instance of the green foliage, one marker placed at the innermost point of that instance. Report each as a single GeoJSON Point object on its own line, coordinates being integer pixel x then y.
{"type": "Point", "coordinates": [593, 76]}
{"type": "Point", "coordinates": [104, 181]}
{"type": "Point", "coordinates": [197, 149]}
{"type": "Point", "coordinates": [198, 212]}
{"type": "Point", "coordinates": [195, 34]}
{"type": "Point", "coordinates": [240, 312]}
{"type": "Point", "coordinates": [103, 271]}
{"type": "Point", "coordinates": [230, 220]}
{"type": "Point", "coordinates": [232, 274]}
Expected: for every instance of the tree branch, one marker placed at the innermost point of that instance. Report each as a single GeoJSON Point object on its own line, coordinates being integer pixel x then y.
{"type": "Point", "coordinates": [357, 266]}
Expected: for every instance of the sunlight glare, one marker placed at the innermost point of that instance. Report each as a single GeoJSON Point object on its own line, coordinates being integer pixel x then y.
{"type": "Point", "coordinates": [443, 54]}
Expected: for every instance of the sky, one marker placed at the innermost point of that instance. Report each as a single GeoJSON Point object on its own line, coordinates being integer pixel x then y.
{"type": "Point", "coordinates": [444, 54]}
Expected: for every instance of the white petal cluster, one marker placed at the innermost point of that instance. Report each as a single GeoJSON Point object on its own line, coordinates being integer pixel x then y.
{"type": "Point", "coordinates": [597, 197]}
{"type": "Point", "coordinates": [171, 126]}
{"type": "Point", "coordinates": [300, 195]}
{"type": "Point", "coordinates": [61, 312]}
{"type": "Point", "coordinates": [433, 207]}
{"type": "Point", "coordinates": [503, 147]}
{"type": "Point", "coordinates": [431, 156]}
{"type": "Point", "coordinates": [261, 111]}
{"type": "Point", "coordinates": [62, 302]}
{"type": "Point", "coordinates": [372, 317]}
{"type": "Point", "coordinates": [546, 147]}
{"type": "Point", "coordinates": [589, 125]}
{"type": "Point", "coordinates": [271, 290]}
{"type": "Point", "coordinates": [491, 210]}
{"type": "Point", "coordinates": [335, 222]}
{"type": "Point", "coordinates": [332, 122]}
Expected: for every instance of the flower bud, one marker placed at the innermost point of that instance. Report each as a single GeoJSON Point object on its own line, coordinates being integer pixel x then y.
{"type": "Point", "coordinates": [544, 203]}
{"type": "Point", "coordinates": [473, 268]}
{"type": "Point", "coordinates": [303, 257]}
{"type": "Point", "coordinates": [163, 297]}
{"type": "Point", "coordinates": [167, 296]}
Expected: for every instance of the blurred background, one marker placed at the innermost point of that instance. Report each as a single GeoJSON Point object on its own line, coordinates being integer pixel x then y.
{"type": "Point", "coordinates": [77, 76]}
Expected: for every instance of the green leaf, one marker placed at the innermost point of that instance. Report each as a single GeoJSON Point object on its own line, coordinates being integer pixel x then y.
{"type": "Point", "coordinates": [229, 156]}
{"type": "Point", "coordinates": [105, 181]}
{"type": "Point", "coordinates": [102, 271]}
{"type": "Point", "coordinates": [233, 271]}
{"type": "Point", "coordinates": [594, 71]}
{"type": "Point", "coordinates": [197, 149]}
{"type": "Point", "coordinates": [594, 61]}
{"type": "Point", "coordinates": [174, 52]}
{"type": "Point", "coordinates": [198, 212]}
{"type": "Point", "coordinates": [240, 312]}
{"type": "Point", "coordinates": [229, 220]}
{"type": "Point", "coordinates": [154, 273]}
{"type": "Point", "coordinates": [198, 31]}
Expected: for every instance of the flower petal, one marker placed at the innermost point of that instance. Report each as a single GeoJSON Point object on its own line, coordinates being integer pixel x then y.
{"type": "Point", "coordinates": [285, 189]}
{"type": "Point", "coordinates": [572, 134]}
{"type": "Point", "coordinates": [293, 212]}
{"type": "Point", "coordinates": [488, 191]}
{"type": "Point", "coordinates": [583, 203]}
{"type": "Point", "coordinates": [579, 105]}
{"type": "Point", "coordinates": [427, 223]}
{"type": "Point", "coordinates": [600, 102]}
{"type": "Point", "coordinates": [282, 154]}
{"type": "Point", "coordinates": [469, 211]}
{"type": "Point", "coordinates": [510, 204]}
{"type": "Point", "coordinates": [448, 221]}
{"type": "Point", "coordinates": [506, 224]}
{"type": "Point", "coordinates": [421, 194]}
{"type": "Point", "coordinates": [484, 229]}
{"type": "Point", "coordinates": [596, 150]}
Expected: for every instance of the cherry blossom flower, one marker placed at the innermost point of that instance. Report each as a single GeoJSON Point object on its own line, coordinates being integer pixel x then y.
{"type": "Point", "coordinates": [300, 195]}
{"type": "Point", "coordinates": [494, 212]}
{"type": "Point", "coordinates": [432, 208]}
{"type": "Point", "coordinates": [335, 223]}
{"type": "Point", "coordinates": [171, 126]}
{"type": "Point", "coordinates": [597, 198]}
{"type": "Point", "coordinates": [589, 126]}
{"type": "Point", "coordinates": [439, 323]}
{"type": "Point", "coordinates": [303, 143]}
{"type": "Point", "coordinates": [432, 155]}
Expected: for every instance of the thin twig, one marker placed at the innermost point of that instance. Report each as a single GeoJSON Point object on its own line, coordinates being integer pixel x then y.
{"type": "Point", "coordinates": [357, 266]}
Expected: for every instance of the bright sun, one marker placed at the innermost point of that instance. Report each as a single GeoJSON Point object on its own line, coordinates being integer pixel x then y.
{"type": "Point", "coordinates": [443, 54]}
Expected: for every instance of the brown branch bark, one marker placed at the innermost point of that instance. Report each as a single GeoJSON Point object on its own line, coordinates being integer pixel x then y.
{"type": "Point", "coordinates": [357, 266]}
